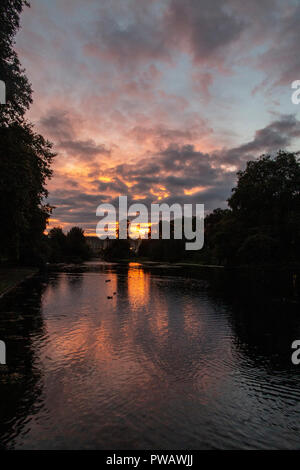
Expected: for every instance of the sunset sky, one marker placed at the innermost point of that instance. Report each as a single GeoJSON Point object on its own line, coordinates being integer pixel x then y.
{"type": "Point", "coordinates": [160, 100]}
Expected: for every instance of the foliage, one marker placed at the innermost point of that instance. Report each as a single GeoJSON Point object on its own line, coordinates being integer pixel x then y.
{"type": "Point", "coordinates": [77, 247]}
{"type": "Point", "coordinates": [18, 88]}
{"type": "Point", "coordinates": [261, 225]}
{"type": "Point", "coordinates": [263, 222]}
{"type": "Point", "coordinates": [25, 157]}
{"type": "Point", "coordinates": [57, 245]}
{"type": "Point", "coordinates": [71, 247]}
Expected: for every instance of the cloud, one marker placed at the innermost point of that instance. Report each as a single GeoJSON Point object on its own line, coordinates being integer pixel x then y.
{"type": "Point", "coordinates": [84, 148]}
{"type": "Point", "coordinates": [282, 56]}
{"type": "Point", "coordinates": [149, 98]}
{"type": "Point", "coordinates": [192, 129]}
{"type": "Point", "coordinates": [136, 31]}
{"type": "Point", "coordinates": [205, 28]}
{"type": "Point", "coordinates": [279, 134]}
{"type": "Point", "coordinates": [57, 124]}
{"type": "Point", "coordinates": [64, 130]}
{"type": "Point", "coordinates": [179, 173]}
{"type": "Point", "coordinates": [128, 32]}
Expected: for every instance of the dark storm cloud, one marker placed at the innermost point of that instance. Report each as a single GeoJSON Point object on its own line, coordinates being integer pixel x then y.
{"type": "Point", "coordinates": [74, 207]}
{"type": "Point", "coordinates": [277, 135]}
{"type": "Point", "coordinates": [84, 148]}
{"type": "Point", "coordinates": [74, 199]}
{"type": "Point", "coordinates": [57, 124]}
{"type": "Point", "coordinates": [136, 31]}
{"type": "Point", "coordinates": [132, 32]}
{"type": "Point", "coordinates": [205, 27]}
{"type": "Point", "coordinates": [128, 31]}
{"type": "Point", "coordinates": [180, 173]}
{"type": "Point", "coordinates": [164, 134]}
{"type": "Point", "coordinates": [176, 169]}
{"type": "Point", "coordinates": [180, 169]}
{"type": "Point", "coordinates": [60, 127]}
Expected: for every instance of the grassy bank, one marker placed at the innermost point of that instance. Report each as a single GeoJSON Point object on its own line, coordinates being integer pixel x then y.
{"type": "Point", "coordinates": [11, 277]}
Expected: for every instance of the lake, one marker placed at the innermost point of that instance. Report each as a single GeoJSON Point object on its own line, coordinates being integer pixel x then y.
{"type": "Point", "coordinates": [110, 356]}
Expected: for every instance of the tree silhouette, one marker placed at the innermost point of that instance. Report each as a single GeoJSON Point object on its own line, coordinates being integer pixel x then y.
{"type": "Point", "coordinates": [263, 222]}
{"type": "Point", "coordinates": [25, 157]}
{"type": "Point", "coordinates": [261, 225]}
{"type": "Point", "coordinates": [77, 248]}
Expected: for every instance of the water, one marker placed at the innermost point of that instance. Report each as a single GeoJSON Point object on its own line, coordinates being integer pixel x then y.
{"type": "Point", "coordinates": [164, 364]}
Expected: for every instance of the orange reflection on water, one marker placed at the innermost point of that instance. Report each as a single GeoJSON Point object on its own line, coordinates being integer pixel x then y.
{"type": "Point", "coordinates": [138, 285]}
{"type": "Point", "coordinates": [159, 318]}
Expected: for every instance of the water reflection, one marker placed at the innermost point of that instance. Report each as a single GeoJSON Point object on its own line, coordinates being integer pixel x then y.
{"type": "Point", "coordinates": [21, 380]}
{"type": "Point", "coordinates": [127, 357]}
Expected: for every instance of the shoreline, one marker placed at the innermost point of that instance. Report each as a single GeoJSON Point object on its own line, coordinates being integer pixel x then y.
{"type": "Point", "coordinates": [10, 278]}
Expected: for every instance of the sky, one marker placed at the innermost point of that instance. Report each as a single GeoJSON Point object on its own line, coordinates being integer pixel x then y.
{"type": "Point", "coordinates": [158, 100]}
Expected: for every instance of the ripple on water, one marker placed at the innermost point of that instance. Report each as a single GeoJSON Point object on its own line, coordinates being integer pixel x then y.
{"type": "Point", "coordinates": [163, 364]}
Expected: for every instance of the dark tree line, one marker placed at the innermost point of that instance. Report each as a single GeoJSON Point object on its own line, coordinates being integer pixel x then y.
{"type": "Point", "coordinates": [70, 247]}
{"type": "Point", "coordinates": [261, 225]}
{"type": "Point", "coordinates": [25, 156]}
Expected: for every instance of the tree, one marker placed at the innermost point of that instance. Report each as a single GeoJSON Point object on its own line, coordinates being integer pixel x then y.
{"type": "Point", "coordinates": [58, 245]}
{"type": "Point", "coordinates": [25, 157]}
{"type": "Point", "coordinates": [24, 168]}
{"type": "Point", "coordinates": [18, 88]}
{"type": "Point", "coordinates": [222, 235]}
{"type": "Point", "coordinates": [266, 202]}
{"type": "Point", "coordinates": [268, 185]}
{"type": "Point", "coordinates": [77, 247]}
{"type": "Point", "coordinates": [262, 224]}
